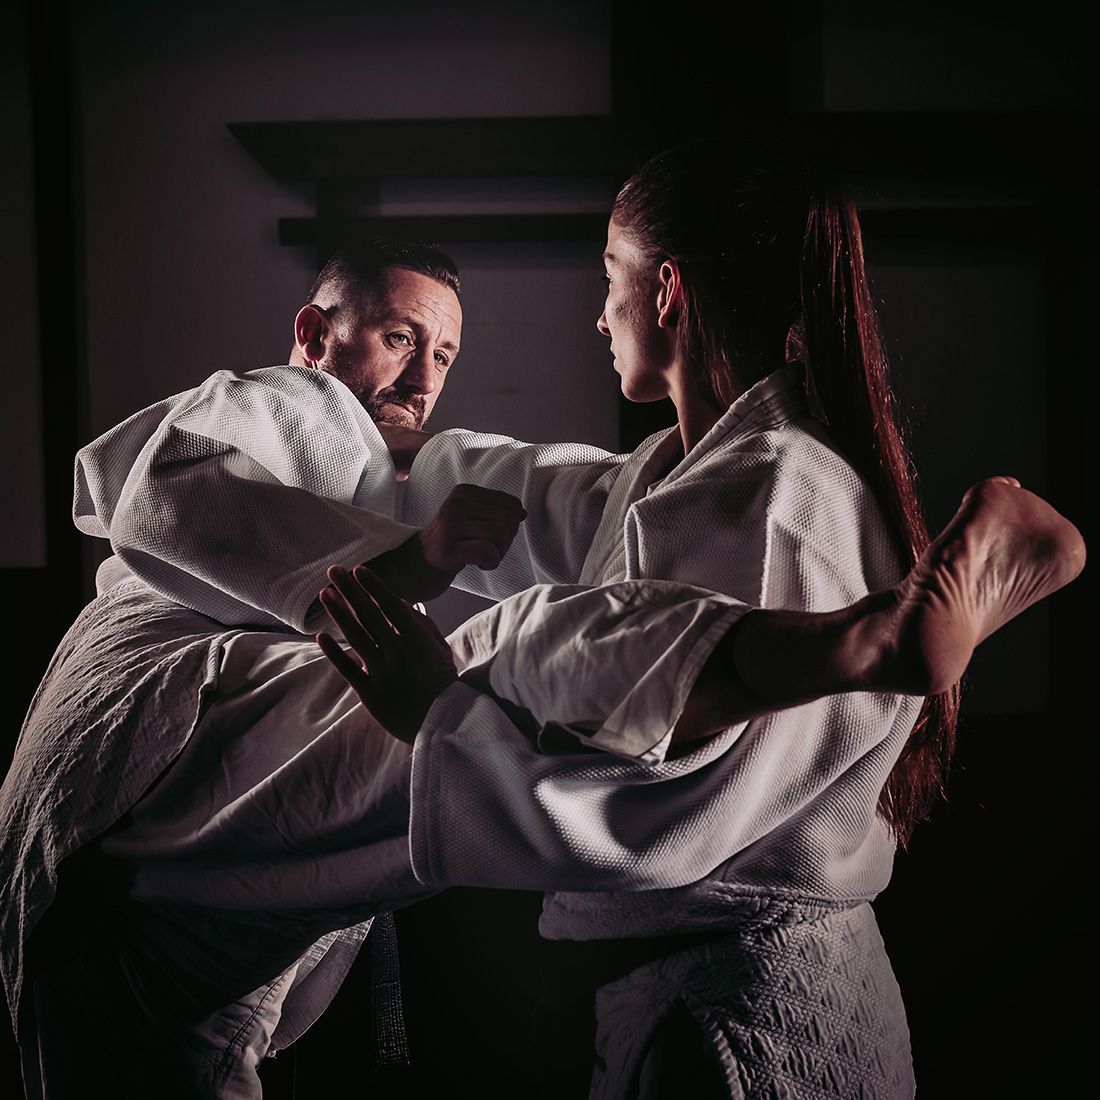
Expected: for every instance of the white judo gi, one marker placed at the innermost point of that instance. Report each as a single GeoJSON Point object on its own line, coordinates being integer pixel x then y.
{"type": "Point", "coordinates": [231, 817]}
{"type": "Point", "coordinates": [768, 834]}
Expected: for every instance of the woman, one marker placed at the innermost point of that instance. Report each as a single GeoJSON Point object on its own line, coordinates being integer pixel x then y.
{"type": "Point", "coordinates": [786, 484]}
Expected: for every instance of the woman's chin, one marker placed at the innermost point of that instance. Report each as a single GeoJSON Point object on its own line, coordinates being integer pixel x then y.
{"type": "Point", "coordinates": [640, 395]}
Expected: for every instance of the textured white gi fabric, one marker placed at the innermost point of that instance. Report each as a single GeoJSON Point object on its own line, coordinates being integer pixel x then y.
{"type": "Point", "coordinates": [264, 810]}
{"type": "Point", "coordinates": [112, 683]}
{"type": "Point", "coordinates": [785, 814]}
{"type": "Point", "coordinates": [764, 510]}
{"type": "Point", "coordinates": [614, 664]}
{"type": "Point", "coordinates": [234, 497]}
{"type": "Point", "coordinates": [817, 1012]}
{"type": "Point", "coordinates": [209, 496]}
{"type": "Point", "coordinates": [131, 684]}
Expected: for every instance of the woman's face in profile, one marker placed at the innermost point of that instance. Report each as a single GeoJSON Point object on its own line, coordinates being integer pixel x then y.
{"type": "Point", "coordinates": [640, 348]}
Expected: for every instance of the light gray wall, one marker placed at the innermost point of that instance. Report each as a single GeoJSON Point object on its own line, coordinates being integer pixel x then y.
{"type": "Point", "coordinates": [184, 272]}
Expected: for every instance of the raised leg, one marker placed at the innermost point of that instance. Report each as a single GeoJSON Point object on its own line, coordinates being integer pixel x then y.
{"type": "Point", "coordinates": [1004, 550]}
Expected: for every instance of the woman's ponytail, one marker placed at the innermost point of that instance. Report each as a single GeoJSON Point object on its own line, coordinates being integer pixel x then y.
{"type": "Point", "coordinates": [847, 376]}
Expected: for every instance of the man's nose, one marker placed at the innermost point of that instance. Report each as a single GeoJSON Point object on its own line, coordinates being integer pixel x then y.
{"type": "Point", "coordinates": [601, 324]}
{"type": "Point", "coordinates": [420, 374]}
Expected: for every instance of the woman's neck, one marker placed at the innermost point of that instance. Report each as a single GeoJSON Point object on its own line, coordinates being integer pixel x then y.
{"type": "Point", "coordinates": [696, 412]}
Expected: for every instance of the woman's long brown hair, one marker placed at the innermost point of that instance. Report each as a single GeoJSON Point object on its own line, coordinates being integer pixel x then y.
{"type": "Point", "coordinates": [772, 267]}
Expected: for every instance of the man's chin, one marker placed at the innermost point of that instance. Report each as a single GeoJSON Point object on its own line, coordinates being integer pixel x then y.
{"type": "Point", "coordinates": [390, 412]}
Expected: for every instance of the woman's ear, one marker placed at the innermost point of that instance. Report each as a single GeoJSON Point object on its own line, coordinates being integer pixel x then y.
{"type": "Point", "coordinates": [311, 333]}
{"type": "Point", "coordinates": [669, 294]}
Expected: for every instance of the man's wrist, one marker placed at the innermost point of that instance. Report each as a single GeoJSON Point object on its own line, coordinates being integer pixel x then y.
{"type": "Point", "coordinates": [407, 571]}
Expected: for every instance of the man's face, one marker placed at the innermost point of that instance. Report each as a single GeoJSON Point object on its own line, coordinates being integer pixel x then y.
{"type": "Point", "coordinates": [397, 360]}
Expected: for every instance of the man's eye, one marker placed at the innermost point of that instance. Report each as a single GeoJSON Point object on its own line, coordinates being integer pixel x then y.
{"type": "Point", "coordinates": [401, 338]}
{"type": "Point", "coordinates": [441, 359]}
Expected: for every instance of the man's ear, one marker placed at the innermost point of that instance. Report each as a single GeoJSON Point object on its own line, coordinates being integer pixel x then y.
{"type": "Point", "coordinates": [311, 333]}
{"type": "Point", "coordinates": [669, 294]}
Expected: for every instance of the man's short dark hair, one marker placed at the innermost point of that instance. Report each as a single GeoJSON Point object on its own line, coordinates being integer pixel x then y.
{"type": "Point", "coordinates": [354, 271]}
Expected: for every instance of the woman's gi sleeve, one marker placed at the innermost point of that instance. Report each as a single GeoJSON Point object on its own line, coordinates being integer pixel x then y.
{"type": "Point", "coordinates": [608, 667]}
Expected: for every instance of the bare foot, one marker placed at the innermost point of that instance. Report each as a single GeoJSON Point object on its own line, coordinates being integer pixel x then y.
{"type": "Point", "coordinates": [1004, 550]}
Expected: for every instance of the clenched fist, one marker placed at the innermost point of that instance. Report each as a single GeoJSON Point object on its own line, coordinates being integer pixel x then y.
{"type": "Point", "coordinates": [474, 526]}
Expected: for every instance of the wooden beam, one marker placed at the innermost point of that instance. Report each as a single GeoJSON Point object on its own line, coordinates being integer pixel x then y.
{"type": "Point", "coordinates": [438, 148]}
{"type": "Point", "coordinates": [984, 147]}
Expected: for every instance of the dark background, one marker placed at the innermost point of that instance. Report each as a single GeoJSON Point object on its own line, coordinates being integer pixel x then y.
{"type": "Point", "coordinates": [143, 249]}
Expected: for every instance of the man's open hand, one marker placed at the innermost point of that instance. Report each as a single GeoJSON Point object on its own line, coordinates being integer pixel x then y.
{"type": "Point", "coordinates": [474, 526]}
{"type": "Point", "coordinates": [404, 661]}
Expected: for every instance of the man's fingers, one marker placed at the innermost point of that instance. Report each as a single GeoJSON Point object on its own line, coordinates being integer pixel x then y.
{"type": "Point", "coordinates": [455, 509]}
{"type": "Point", "coordinates": [474, 526]}
{"type": "Point", "coordinates": [362, 603]}
{"type": "Point", "coordinates": [449, 545]}
{"type": "Point", "coordinates": [355, 676]}
{"type": "Point", "coordinates": [484, 553]}
{"type": "Point", "coordinates": [395, 610]}
{"type": "Point", "coordinates": [361, 640]}
{"type": "Point", "coordinates": [484, 548]}
{"type": "Point", "coordinates": [482, 526]}
{"type": "Point", "coordinates": [473, 495]}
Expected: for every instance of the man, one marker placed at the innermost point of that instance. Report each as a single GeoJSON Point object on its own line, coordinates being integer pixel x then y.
{"type": "Point", "coordinates": [382, 325]}
{"type": "Point", "coordinates": [385, 324]}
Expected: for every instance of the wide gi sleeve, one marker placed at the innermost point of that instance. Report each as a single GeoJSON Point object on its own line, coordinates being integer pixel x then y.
{"type": "Point", "coordinates": [606, 669]}
{"type": "Point", "coordinates": [235, 497]}
{"type": "Point", "coordinates": [563, 486]}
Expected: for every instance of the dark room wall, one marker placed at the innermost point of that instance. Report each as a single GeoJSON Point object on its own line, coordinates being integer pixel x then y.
{"type": "Point", "coordinates": [179, 272]}
{"type": "Point", "coordinates": [22, 536]}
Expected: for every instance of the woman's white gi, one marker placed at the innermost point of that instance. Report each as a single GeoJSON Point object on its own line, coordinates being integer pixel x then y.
{"type": "Point", "coordinates": [798, 997]}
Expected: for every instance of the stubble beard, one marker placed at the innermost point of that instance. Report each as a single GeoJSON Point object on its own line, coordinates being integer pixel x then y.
{"type": "Point", "coordinates": [390, 406]}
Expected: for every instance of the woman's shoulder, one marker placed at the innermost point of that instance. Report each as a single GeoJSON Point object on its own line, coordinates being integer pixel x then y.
{"type": "Point", "coordinates": [807, 495]}
{"type": "Point", "coordinates": [800, 451]}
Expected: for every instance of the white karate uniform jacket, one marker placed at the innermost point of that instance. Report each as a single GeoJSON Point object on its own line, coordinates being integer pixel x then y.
{"type": "Point", "coordinates": [762, 510]}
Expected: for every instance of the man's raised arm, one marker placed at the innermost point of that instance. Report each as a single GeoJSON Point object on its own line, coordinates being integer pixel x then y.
{"type": "Point", "coordinates": [564, 489]}
{"type": "Point", "coordinates": [235, 497]}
